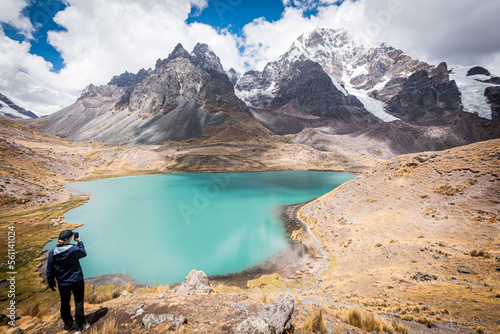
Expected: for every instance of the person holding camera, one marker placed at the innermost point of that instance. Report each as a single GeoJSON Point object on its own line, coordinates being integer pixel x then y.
{"type": "Point", "coordinates": [63, 265]}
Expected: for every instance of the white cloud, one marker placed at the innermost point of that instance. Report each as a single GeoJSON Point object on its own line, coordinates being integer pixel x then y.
{"type": "Point", "coordinates": [456, 31]}
{"type": "Point", "coordinates": [265, 41]}
{"type": "Point", "coordinates": [10, 12]}
{"type": "Point", "coordinates": [102, 39]}
{"type": "Point", "coordinates": [105, 38]}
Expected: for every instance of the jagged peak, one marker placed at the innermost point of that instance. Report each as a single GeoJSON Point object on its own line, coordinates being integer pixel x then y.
{"type": "Point", "coordinates": [179, 51]}
{"type": "Point", "coordinates": [129, 79]}
{"type": "Point", "coordinates": [205, 57]}
{"type": "Point", "coordinates": [233, 77]}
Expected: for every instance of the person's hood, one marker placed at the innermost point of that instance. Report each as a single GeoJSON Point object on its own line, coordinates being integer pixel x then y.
{"type": "Point", "coordinates": [62, 251]}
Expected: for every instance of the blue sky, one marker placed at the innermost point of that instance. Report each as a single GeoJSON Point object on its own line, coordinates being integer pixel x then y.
{"type": "Point", "coordinates": [232, 15]}
{"type": "Point", "coordinates": [41, 14]}
{"type": "Point", "coordinates": [51, 49]}
{"type": "Point", "coordinates": [235, 14]}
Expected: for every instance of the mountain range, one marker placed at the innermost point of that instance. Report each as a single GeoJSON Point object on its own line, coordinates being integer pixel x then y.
{"type": "Point", "coordinates": [327, 91]}
{"type": "Point", "coordinates": [11, 110]}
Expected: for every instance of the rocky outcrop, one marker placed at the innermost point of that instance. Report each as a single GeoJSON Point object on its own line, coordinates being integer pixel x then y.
{"type": "Point", "coordinates": [129, 79]}
{"type": "Point", "coordinates": [274, 319]}
{"type": "Point", "coordinates": [233, 77]}
{"type": "Point", "coordinates": [386, 140]}
{"type": "Point", "coordinates": [426, 98]}
{"type": "Point", "coordinates": [493, 96]}
{"type": "Point", "coordinates": [196, 282]}
{"type": "Point", "coordinates": [306, 82]}
{"type": "Point", "coordinates": [301, 91]}
{"type": "Point", "coordinates": [204, 57]}
{"type": "Point", "coordinates": [478, 70]}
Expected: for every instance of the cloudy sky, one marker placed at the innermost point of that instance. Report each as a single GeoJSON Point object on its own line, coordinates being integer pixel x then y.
{"type": "Point", "coordinates": [51, 49]}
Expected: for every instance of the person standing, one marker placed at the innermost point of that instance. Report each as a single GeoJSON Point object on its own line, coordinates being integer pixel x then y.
{"type": "Point", "coordinates": [63, 266]}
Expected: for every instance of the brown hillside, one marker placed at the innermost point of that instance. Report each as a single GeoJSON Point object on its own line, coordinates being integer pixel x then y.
{"type": "Point", "coordinates": [420, 227]}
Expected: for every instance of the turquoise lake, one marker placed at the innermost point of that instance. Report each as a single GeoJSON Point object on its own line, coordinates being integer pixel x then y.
{"type": "Point", "coordinates": [157, 228]}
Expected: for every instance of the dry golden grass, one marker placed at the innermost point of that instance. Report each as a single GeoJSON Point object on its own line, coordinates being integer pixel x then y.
{"type": "Point", "coordinates": [315, 323]}
{"type": "Point", "coordinates": [369, 322]}
{"type": "Point", "coordinates": [36, 310]}
{"type": "Point", "coordinates": [156, 289]}
{"type": "Point", "coordinates": [108, 292]}
{"type": "Point", "coordinates": [160, 288]}
{"type": "Point", "coordinates": [127, 287]}
{"type": "Point", "coordinates": [108, 327]}
{"type": "Point", "coordinates": [222, 288]}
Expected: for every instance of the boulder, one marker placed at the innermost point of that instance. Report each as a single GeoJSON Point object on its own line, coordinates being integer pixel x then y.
{"type": "Point", "coordinates": [253, 325]}
{"type": "Point", "coordinates": [279, 313]}
{"type": "Point", "coordinates": [196, 282]}
{"type": "Point", "coordinates": [274, 319]}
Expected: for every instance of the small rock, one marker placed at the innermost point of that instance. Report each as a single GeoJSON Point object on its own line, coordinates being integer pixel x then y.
{"type": "Point", "coordinates": [240, 307]}
{"type": "Point", "coordinates": [378, 245]}
{"type": "Point", "coordinates": [436, 256]}
{"type": "Point", "coordinates": [421, 277]}
{"type": "Point", "coordinates": [125, 293]}
{"type": "Point", "coordinates": [390, 287]}
{"type": "Point", "coordinates": [442, 244]}
{"type": "Point", "coordinates": [161, 296]}
{"type": "Point", "coordinates": [151, 320]}
{"type": "Point", "coordinates": [465, 270]}
{"type": "Point", "coordinates": [178, 322]}
{"type": "Point", "coordinates": [422, 158]}
{"type": "Point", "coordinates": [134, 309]}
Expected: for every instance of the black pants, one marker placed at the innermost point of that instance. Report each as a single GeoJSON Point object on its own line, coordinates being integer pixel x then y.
{"type": "Point", "coordinates": [78, 290]}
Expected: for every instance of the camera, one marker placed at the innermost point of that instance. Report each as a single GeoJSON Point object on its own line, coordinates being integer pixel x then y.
{"type": "Point", "coordinates": [76, 235]}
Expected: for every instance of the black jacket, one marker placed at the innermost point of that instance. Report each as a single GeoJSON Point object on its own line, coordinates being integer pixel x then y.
{"type": "Point", "coordinates": [64, 266]}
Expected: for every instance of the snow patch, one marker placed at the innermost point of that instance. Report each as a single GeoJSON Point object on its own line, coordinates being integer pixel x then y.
{"type": "Point", "coordinates": [337, 85]}
{"type": "Point", "coordinates": [376, 107]}
{"type": "Point", "coordinates": [472, 90]}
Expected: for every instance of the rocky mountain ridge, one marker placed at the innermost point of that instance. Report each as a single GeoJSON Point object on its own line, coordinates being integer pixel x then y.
{"type": "Point", "coordinates": [325, 86]}
{"type": "Point", "coordinates": [381, 84]}
{"type": "Point", "coordinates": [11, 110]}
{"type": "Point", "coordinates": [187, 95]}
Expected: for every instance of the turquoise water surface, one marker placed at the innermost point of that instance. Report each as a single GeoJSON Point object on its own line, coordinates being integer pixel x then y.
{"type": "Point", "coordinates": [157, 228]}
